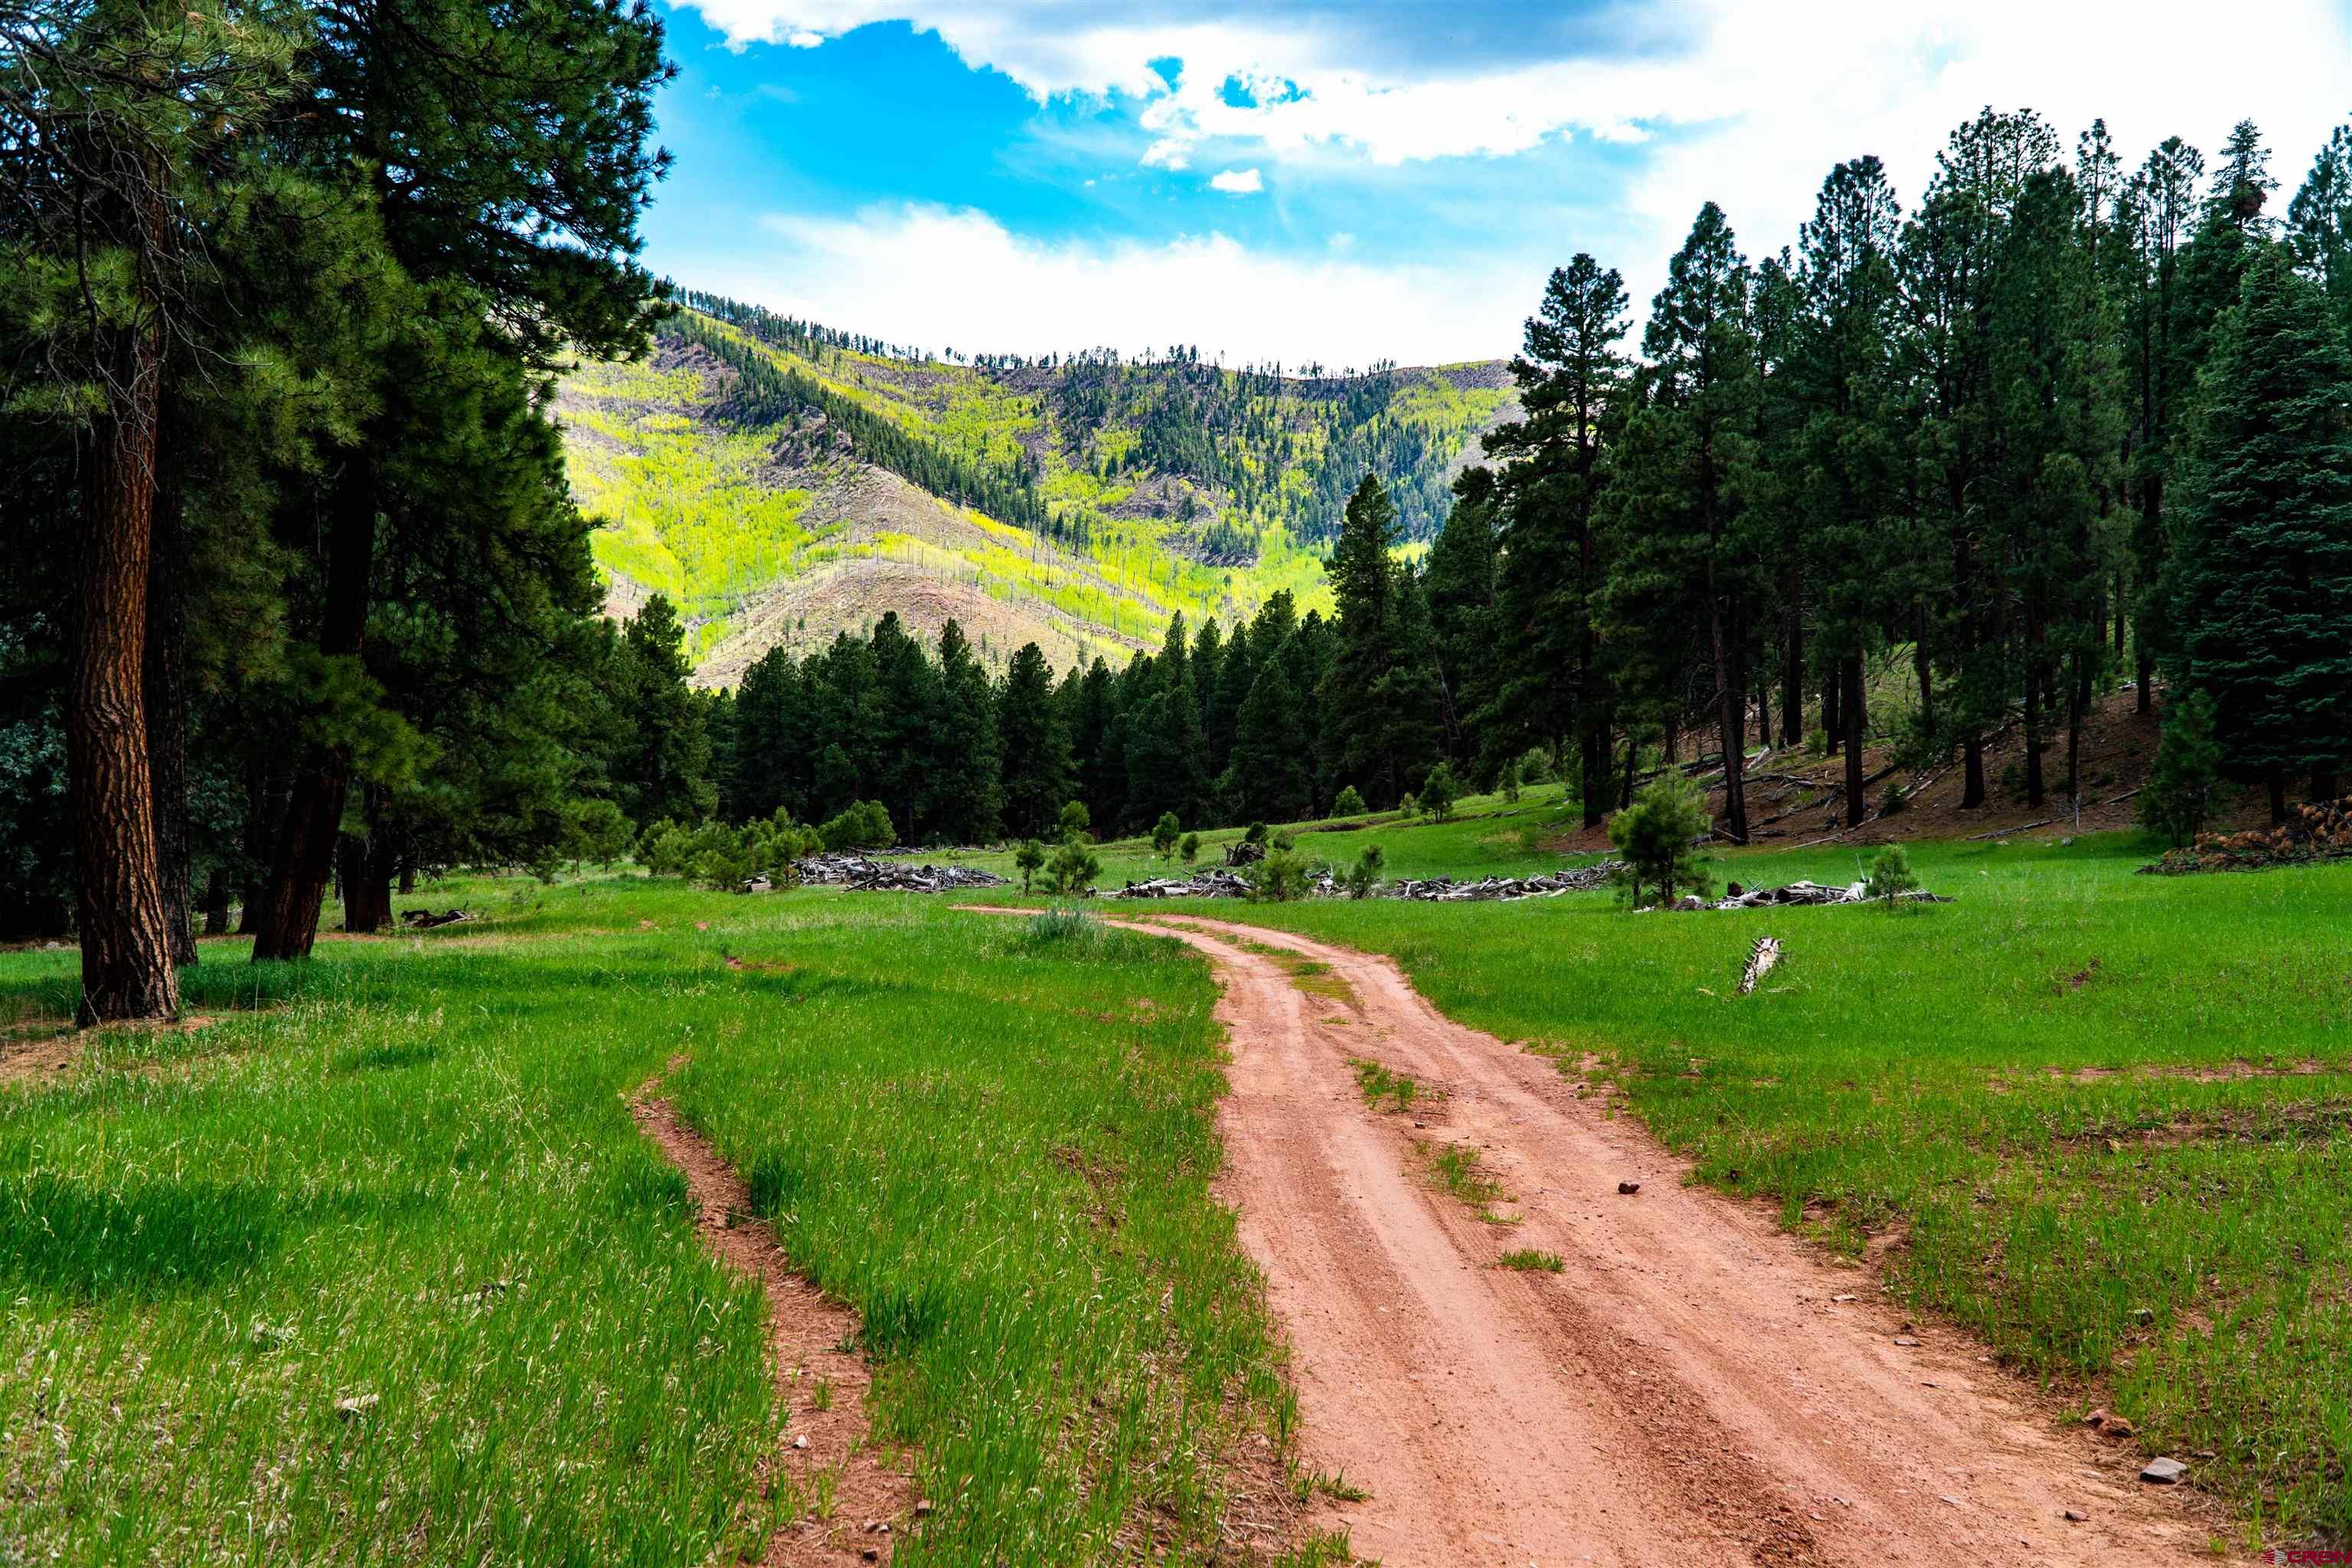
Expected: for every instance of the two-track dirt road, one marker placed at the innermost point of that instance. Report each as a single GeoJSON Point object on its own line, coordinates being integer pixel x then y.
{"type": "Point", "coordinates": [1694, 1387]}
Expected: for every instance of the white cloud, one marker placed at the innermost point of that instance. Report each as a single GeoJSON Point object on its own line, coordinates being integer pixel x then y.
{"type": "Point", "coordinates": [1742, 103]}
{"type": "Point", "coordinates": [1237, 181]}
{"type": "Point", "coordinates": [1750, 103]}
{"type": "Point", "coordinates": [938, 277]}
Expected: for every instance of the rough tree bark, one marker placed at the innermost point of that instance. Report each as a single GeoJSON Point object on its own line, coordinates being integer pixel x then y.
{"type": "Point", "coordinates": [167, 723]}
{"type": "Point", "coordinates": [126, 943]}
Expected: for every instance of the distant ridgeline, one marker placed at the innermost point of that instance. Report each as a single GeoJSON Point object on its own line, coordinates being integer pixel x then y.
{"type": "Point", "coordinates": [1057, 443]}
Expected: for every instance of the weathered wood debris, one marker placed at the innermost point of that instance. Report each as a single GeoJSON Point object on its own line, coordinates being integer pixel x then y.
{"type": "Point", "coordinates": [1760, 959]}
{"type": "Point", "coordinates": [425, 920]}
{"type": "Point", "coordinates": [1811, 893]}
{"type": "Point", "coordinates": [861, 874]}
{"type": "Point", "coordinates": [1446, 889]}
{"type": "Point", "coordinates": [1210, 882]}
{"type": "Point", "coordinates": [1242, 852]}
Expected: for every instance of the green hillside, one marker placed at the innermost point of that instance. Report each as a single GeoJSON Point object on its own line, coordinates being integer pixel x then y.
{"type": "Point", "coordinates": [782, 481]}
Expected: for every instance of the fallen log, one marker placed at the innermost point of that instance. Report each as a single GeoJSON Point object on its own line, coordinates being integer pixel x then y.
{"type": "Point", "coordinates": [1760, 959]}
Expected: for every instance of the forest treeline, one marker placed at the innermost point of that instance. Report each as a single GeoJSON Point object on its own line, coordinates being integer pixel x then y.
{"type": "Point", "coordinates": [2063, 425]}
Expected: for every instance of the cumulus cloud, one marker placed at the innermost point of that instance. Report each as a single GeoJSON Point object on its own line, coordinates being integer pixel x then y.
{"type": "Point", "coordinates": [1748, 101]}
{"type": "Point", "coordinates": [1237, 181]}
{"type": "Point", "coordinates": [1728, 100]}
{"type": "Point", "coordinates": [943, 277]}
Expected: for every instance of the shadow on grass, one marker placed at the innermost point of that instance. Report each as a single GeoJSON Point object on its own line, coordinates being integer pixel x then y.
{"type": "Point", "coordinates": [91, 1243]}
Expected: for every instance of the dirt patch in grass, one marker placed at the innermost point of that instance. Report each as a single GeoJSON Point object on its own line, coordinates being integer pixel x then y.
{"type": "Point", "coordinates": [850, 1503]}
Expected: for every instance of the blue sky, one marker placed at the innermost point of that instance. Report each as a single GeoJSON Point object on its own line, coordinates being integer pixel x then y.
{"type": "Point", "coordinates": [1347, 183]}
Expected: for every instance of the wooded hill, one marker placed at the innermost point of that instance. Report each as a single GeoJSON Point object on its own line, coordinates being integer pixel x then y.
{"type": "Point", "coordinates": [782, 481]}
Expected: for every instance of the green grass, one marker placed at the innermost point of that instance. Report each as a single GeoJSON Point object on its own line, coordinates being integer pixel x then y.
{"type": "Point", "coordinates": [1384, 1091]}
{"type": "Point", "coordinates": [2074, 1097]}
{"type": "Point", "coordinates": [410, 1172]}
{"type": "Point", "coordinates": [1458, 1171]}
{"type": "Point", "coordinates": [1527, 1260]}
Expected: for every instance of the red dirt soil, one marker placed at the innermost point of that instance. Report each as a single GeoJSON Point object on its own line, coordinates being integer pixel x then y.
{"type": "Point", "coordinates": [1694, 1387]}
{"type": "Point", "coordinates": [873, 1505]}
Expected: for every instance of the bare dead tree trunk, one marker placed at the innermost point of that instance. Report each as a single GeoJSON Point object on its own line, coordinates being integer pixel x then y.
{"type": "Point", "coordinates": [1855, 717]}
{"type": "Point", "coordinates": [126, 941]}
{"type": "Point", "coordinates": [303, 858]}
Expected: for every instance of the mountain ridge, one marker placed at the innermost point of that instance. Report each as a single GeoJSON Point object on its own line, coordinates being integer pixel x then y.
{"type": "Point", "coordinates": [780, 484]}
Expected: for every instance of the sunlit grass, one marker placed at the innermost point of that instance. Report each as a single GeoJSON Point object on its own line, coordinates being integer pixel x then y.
{"type": "Point", "coordinates": [405, 1177]}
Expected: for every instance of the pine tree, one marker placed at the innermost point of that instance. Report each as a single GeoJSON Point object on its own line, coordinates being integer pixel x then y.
{"type": "Point", "coordinates": [1459, 582]}
{"type": "Point", "coordinates": [1570, 375]}
{"type": "Point", "coordinates": [965, 798]}
{"type": "Point", "coordinates": [1359, 736]}
{"type": "Point", "coordinates": [663, 768]}
{"type": "Point", "coordinates": [1682, 554]}
{"type": "Point", "coordinates": [2319, 223]}
{"type": "Point", "coordinates": [2260, 567]}
{"type": "Point", "coordinates": [1035, 743]}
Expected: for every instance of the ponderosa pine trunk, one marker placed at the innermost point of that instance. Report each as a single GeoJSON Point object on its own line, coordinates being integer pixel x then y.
{"type": "Point", "coordinates": [126, 942]}
{"type": "Point", "coordinates": [1972, 774]}
{"type": "Point", "coordinates": [167, 724]}
{"type": "Point", "coordinates": [303, 858]}
{"type": "Point", "coordinates": [1855, 717]}
{"type": "Point", "coordinates": [2275, 782]}
{"type": "Point", "coordinates": [1832, 722]}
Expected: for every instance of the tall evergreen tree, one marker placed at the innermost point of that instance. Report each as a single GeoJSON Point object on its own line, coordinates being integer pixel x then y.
{"type": "Point", "coordinates": [1570, 375]}
{"type": "Point", "coordinates": [1679, 533]}
{"type": "Point", "coordinates": [1459, 582]}
{"type": "Point", "coordinates": [2260, 572]}
{"type": "Point", "coordinates": [1034, 740]}
{"type": "Point", "coordinates": [965, 801]}
{"type": "Point", "coordinates": [663, 767]}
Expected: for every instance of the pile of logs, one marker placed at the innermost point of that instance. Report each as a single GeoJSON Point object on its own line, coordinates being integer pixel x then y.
{"type": "Point", "coordinates": [862, 875]}
{"type": "Point", "coordinates": [1810, 893]}
{"type": "Point", "coordinates": [1446, 890]}
{"type": "Point", "coordinates": [425, 920]}
{"type": "Point", "coordinates": [1211, 883]}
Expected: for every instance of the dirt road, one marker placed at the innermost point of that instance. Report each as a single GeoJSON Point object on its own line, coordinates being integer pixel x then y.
{"type": "Point", "coordinates": [1693, 1387]}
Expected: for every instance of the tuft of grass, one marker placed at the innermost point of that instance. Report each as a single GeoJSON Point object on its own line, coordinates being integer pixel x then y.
{"type": "Point", "coordinates": [1528, 1260]}
{"type": "Point", "coordinates": [1386, 1090]}
{"type": "Point", "coordinates": [1457, 1170]}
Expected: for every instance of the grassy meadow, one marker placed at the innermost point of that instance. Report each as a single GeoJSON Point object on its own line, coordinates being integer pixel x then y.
{"type": "Point", "coordinates": [374, 1265]}
{"type": "Point", "coordinates": [2099, 1119]}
